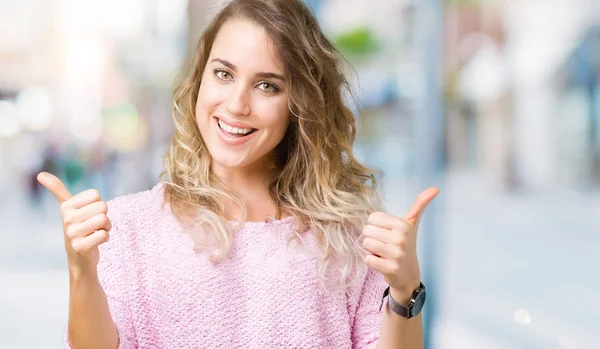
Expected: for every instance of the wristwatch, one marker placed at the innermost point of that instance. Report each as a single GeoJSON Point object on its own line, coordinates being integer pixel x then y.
{"type": "Point", "coordinates": [415, 304]}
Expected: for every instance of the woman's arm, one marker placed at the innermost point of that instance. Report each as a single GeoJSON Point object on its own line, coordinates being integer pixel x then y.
{"type": "Point", "coordinates": [397, 332]}
{"type": "Point", "coordinates": [86, 227]}
{"type": "Point", "coordinates": [90, 322]}
{"type": "Point", "coordinates": [392, 243]}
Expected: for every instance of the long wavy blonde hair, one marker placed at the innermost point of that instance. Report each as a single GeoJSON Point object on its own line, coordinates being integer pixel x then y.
{"type": "Point", "coordinates": [320, 183]}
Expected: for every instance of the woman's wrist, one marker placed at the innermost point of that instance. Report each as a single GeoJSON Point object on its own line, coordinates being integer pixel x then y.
{"type": "Point", "coordinates": [83, 276]}
{"type": "Point", "coordinates": [402, 296]}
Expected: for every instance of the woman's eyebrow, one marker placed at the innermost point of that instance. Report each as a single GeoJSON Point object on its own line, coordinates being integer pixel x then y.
{"type": "Point", "coordinates": [262, 75]}
{"type": "Point", "coordinates": [270, 76]}
{"type": "Point", "coordinates": [226, 63]}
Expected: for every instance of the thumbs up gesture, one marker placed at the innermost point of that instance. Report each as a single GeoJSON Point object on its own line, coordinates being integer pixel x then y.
{"type": "Point", "coordinates": [85, 224]}
{"type": "Point", "coordinates": [392, 243]}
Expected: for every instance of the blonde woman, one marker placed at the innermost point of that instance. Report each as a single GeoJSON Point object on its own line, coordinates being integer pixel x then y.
{"type": "Point", "coordinates": [266, 231]}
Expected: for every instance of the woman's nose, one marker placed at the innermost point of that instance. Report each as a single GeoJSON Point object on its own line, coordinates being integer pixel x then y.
{"type": "Point", "coordinates": [238, 102]}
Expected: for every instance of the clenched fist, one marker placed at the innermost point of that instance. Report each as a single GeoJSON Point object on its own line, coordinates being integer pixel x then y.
{"type": "Point", "coordinates": [85, 224]}
{"type": "Point", "coordinates": [392, 244]}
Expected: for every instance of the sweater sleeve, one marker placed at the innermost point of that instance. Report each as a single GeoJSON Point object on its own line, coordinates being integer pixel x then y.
{"type": "Point", "coordinates": [117, 277]}
{"type": "Point", "coordinates": [367, 316]}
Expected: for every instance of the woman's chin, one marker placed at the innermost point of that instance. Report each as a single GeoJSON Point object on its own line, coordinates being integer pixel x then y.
{"type": "Point", "coordinates": [228, 161]}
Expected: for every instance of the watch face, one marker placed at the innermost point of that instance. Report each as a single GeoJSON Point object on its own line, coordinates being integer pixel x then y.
{"type": "Point", "coordinates": [418, 304]}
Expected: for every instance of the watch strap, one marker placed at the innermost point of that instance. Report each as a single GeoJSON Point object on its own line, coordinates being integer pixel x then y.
{"type": "Point", "coordinates": [404, 311]}
{"type": "Point", "coordinates": [395, 306]}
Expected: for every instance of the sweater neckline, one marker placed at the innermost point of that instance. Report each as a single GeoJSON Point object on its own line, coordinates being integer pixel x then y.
{"type": "Point", "coordinates": [261, 224]}
{"type": "Point", "coordinates": [248, 224]}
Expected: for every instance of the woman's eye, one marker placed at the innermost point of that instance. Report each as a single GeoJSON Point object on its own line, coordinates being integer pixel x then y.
{"type": "Point", "coordinates": [268, 87]}
{"type": "Point", "coordinates": [223, 75]}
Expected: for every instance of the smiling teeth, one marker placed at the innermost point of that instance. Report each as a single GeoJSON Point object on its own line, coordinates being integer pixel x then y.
{"type": "Point", "coordinates": [241, 131]}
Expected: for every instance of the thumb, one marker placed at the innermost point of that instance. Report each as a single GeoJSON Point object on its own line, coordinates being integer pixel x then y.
{"type": "Point", "coordinates": [413, 216]}
{"type": "Point", "coordinates": [56, 187]}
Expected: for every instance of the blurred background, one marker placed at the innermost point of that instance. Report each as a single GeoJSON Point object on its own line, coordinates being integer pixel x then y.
{"type": "Point", "coordinates": [495, 102]}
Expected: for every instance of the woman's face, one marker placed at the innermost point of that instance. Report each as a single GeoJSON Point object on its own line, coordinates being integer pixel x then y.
{"type": "Point", "coordinates": [242, 107]}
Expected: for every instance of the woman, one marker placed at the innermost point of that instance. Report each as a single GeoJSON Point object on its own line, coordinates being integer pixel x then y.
{"type": "Point", "coordinates": [252, 241]}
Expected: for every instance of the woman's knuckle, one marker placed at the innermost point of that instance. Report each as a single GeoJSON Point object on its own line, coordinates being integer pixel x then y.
{"type": "Point", "coordinates": [103, 220]}
{"type": "Point", "coordinates": [104, 234]}
{"type": "Point", "coordinates": [68, 219]}
{"type": "Point", "coordinates": [397, 254]}
{"type": "Point", "coordinates": [77, 247]}
{"type": "Point", "coordinates": [64, 206]}
{"type": "Point", "coordinates": [95, 193]}
{"type": "Point", "coordinates": [71, 232]}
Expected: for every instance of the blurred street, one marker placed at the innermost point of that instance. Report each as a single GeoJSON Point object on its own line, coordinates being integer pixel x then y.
{"type": "Point", "coordinates": [501, 253]}
{"type": "Point", "coordinates": [496, 102]}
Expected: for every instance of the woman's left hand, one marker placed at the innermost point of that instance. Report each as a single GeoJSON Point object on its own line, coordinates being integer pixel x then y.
{"type": "Point", "coordinates": [392, 242]}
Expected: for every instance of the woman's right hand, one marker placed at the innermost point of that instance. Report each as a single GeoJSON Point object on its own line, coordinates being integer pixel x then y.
{"type": "Point", "coordinates": [85, 225]}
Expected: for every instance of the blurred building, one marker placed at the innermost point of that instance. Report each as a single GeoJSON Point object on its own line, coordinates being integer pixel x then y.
{"type": "Point", "coordinates": [503, 102]}
{"type": "Point", "coordinates": [85, 93]}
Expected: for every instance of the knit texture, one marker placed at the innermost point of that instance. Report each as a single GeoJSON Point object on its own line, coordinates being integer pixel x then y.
{"type": "Point", "coordinates": [266, 294]}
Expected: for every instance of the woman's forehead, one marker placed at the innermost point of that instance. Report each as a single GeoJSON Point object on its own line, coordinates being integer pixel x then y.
{"type": "Point", "coordinates": [247, 46]}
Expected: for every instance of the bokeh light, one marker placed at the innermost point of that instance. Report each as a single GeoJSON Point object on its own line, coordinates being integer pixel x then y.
{"type": "Point", "coordinates": [9, 119]}
{"type": "Point", "coordinates": [505, 95]}
{"type": "Point", "coordinates": [522, 317]}
{"type": "Point", "coordinates": [35, 108]}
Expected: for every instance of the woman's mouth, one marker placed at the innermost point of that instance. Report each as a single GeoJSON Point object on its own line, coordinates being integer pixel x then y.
{"type": "Point", "coordinates": [234, 136]}
{"type": "Point", "coordinates": [234, 131]}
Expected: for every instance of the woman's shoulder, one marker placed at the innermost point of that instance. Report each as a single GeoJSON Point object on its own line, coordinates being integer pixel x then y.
{"type": "Point", "coordinates": [137, 206]}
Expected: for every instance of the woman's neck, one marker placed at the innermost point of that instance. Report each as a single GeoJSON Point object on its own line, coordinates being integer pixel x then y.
{"type": "Point", "coordinates": [252, 185]}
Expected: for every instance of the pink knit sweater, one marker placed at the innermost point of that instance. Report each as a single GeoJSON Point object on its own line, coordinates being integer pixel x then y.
{"type": "Point", "coordinates": [162, 294]}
